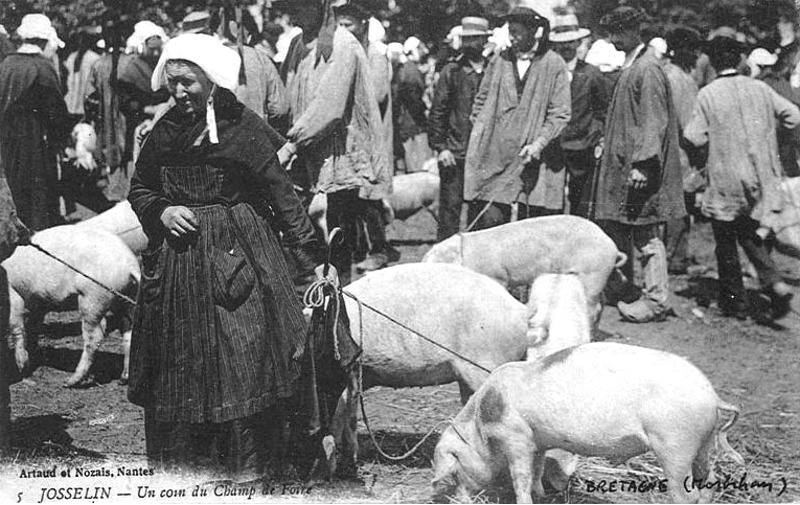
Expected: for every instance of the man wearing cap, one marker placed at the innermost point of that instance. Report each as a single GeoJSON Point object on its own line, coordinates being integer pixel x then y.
{"type": "Point", "coordinates": [683, 49]}
{"type": "Point", "coordinates": [777, 78]}
{"type": "Point", "coordinates": [449, 124]}
{"type": "Point", "coordinates": [522, 106]}
{"type": "Point", "coordinates": [354, 16]}
{"type": "Point", "coordinates": [34, 122]}
{"type": "Point", "coordinates": [736, 117]}
{"type": "Point", "coordinates": [639, 185]}
{"type": "Point", "coordinates": [590, 98]}
{"type": "Point", "coordinates": [337, 124]}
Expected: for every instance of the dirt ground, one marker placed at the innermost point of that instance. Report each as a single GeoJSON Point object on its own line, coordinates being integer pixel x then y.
{"type": "Point", "coordinates": [754, 366]}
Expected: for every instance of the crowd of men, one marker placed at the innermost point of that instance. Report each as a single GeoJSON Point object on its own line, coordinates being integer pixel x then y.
{"type": "Point", "coordinates": [532, 118]}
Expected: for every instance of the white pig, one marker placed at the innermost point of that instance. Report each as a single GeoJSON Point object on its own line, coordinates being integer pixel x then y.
{"type": "Point", "coordinates": [38, 283]}
{"type": "Point", "coordinates": [600, 399]}
{"type": "Point", "coordinates": [515, 254]}
{"type": "Point", "coordinates": [413, 192]}
{"type": "Point", "coordinates": [458, 308]}
{"type": "Point", "coordinates": [557, 314]}
{"type": "Point", "coordinates": [122, 222]}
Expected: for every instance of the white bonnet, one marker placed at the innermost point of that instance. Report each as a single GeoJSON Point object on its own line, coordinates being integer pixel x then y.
{"type": "Point", "coordinates": [38, 26]}
{"type": "Point", "coordinates": [219, 62]}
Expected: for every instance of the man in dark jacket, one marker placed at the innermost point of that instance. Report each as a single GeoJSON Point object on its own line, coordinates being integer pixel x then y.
{"type": "Point", "coordinates": [639, 186]}
{"type": "Point", "coordinates": [449, 124]}
{"type": "Point", "coordinates": [590, 98]}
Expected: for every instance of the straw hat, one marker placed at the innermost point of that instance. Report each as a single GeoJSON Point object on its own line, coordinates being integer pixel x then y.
{"type": "Point", "coordinates": [565, 28]}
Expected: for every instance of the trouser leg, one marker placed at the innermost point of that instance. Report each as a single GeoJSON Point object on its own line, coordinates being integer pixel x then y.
{"type": "Point", "coordinates": [757, 251]}
{"type": "Point", "coordinates": [580, 167]}
{"type": "Point", "coordinates": [451, 198]}
{"type": "Point", "coordinates": [729, 269]}
{"type": "Point", "coordinates": [621, 235]}
{"type": "Point", "coordinates": [495, 215]}
{"type": "Point", "coordinates": [375, 225]}
{"type": "Point", "coordinates": [653, 258]}
{"type": "Point", "coordinates": [343, 213]}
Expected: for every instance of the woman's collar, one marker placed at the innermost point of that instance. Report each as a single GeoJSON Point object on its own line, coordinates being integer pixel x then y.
{"type": "Point", "coordinates": [29, 49]}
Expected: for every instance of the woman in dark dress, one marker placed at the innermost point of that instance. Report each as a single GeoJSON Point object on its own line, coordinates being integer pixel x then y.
{"type": "Point", "coordinates": [218, 327]}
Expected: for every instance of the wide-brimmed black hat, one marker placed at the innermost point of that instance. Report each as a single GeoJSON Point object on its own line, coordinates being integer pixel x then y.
{"type": "Point", "coordinates": [622, 18]}
{"type": "Point", "coordinates": [526, 15]}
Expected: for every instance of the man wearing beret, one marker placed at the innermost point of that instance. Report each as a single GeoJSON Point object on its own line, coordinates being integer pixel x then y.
{"type": "Point", "coordinates": [522, 105]}
{"type": "Point", "coordinates": [639, 186]}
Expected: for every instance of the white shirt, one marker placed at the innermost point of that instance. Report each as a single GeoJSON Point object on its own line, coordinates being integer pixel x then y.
{"type": "Point", "coordinates": [522, 67]}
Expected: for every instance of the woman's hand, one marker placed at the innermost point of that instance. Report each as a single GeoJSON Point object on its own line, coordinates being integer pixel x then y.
{"type": "Point", "coordinates": [179, 220]}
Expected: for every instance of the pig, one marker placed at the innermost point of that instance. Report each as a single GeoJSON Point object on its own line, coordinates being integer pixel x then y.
{"type": "Point", "coordinates": [599, 399]}
{"type": "Point", "coordinates": [462, 310]}
{"type": "Point", "coordinates": [122, 222]}
{"type": "Point", "coordinates": [411, 193]}
{"type": "Point", "coordinates": [515, 254]}
{"type": "Point", "coordinates": [38, 283]}
{"type": "Point", "coordinates": [557, 319]}
{"type": "Point", "coordinates": [557, 314]}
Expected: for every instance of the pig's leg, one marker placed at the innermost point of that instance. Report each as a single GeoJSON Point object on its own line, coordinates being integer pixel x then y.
{"type": "Point", "coordinates": [16, 329]}
{"type": "Point", "coordinates": [515, 439]}
{"type": "Point", "coordinates": [701, 469]}
{"type": "Point", "coordinates": [92, 314]}
{"type": "Point", "coordinates": [676, 458]}
{"type": "Point", "coordinates": [537, 470]}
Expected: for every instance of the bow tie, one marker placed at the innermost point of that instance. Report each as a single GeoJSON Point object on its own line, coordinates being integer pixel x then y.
{"type": "Point", "coordinates": [525, 56]}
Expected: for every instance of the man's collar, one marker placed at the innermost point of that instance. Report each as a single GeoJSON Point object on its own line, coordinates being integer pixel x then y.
{"type": "Point", "coordinates": [572, 64]}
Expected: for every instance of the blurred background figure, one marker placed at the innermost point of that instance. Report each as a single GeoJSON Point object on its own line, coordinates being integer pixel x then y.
{"type": "Point", "coordinates": [411, 120]}
{"type": "Point", "coordinates": [34, 123]}
{"type": "Point", "coordinates": [137, 101]}
{"type": "Point", "coordinates": [683, 50]}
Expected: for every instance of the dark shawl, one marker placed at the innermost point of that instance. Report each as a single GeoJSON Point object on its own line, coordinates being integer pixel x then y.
{"type": "Point", "coordinates": [33, 125]}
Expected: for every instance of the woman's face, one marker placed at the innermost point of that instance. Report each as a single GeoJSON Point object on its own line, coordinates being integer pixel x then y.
{"type": "Point", "coordinates": [188, 85]}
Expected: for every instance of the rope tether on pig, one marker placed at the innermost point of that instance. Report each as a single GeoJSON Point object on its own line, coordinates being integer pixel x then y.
{"type": "Point", "coordinates": [314, 297]}
{"type": "Point", "coordinates": [107, 288]}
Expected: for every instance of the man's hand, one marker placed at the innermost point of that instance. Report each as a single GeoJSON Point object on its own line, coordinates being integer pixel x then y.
{"type": "Point", "coordinates": [530, 152]}
{"type": "Point", "coordinates": [446, 158]}
{"type": "Point", "coordinates": [333, 275]}
{"type": "Point", "coordinates": [637, 179]}
{"type": "Point", "coordinates": [179, 220]}
{"type": "Point", "coordinates": [286, 153]}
